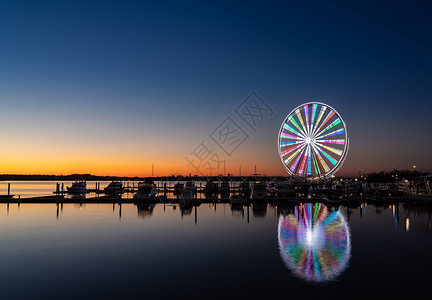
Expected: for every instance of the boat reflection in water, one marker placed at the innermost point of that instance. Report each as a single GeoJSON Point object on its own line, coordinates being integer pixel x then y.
{"type": "Point", "coordinates": [314, 242]}
{"type": "Point", "coordinates": [145, 209]}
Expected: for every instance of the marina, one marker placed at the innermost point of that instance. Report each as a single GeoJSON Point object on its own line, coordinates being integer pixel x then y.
{"type": "Point", "coordinates": [224, 190]}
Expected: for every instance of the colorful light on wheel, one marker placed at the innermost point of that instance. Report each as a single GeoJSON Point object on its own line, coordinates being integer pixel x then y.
{"type": "Point", "coordinates": [314, 242]}
{"type": "Point", "coordinates": [313, 141]}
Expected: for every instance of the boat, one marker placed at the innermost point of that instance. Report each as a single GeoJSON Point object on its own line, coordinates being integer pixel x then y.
{"type": "Point", "coordinates": [188, 191]}
{"type": "Point", "coordinates": [259, 190]}
{"type": "Point", "coordinates": [211, 188]}
{"type": "Point", "coordinates": [245, 189]}
{"type": "Point", "coordinates": [224, 189]}
{"type": "Point", "coordinates": [178, 188]}
{"type": "Point", "coordinates": [146, 189]}
{"type": "Point", "coordinates": [282, 190]}
{"type": "Point", "coordinates": [114, 187]}
{"type": "Point", "coordinates": [78, 187]}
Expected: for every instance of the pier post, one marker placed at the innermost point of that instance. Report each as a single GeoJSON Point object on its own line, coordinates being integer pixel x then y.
{"type": "Point", "coordinates": [9, 189]}
{"type": "Point", "coordinates": [248, 214]}
{"type": "Point", "coordinates": [57, 189]}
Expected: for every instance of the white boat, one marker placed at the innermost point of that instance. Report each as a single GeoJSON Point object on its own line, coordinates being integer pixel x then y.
{"type": "Point", "coordinates": [114, 187]}
{"type": "Point", "coordinates": [146, 189]}
{"type": "Point", "coordinates": [78, 187]}
{"type": "Point", "coordinates": [188, 191]}
{"type": "Point", "coordinates": [259, 190]}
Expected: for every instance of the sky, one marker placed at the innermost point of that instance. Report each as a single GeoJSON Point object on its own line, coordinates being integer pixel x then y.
{"type": "Point", "coordinates": [116, 87]}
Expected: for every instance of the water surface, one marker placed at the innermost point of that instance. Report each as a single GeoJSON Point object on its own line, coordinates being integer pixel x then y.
{"type": "Point", "coordinates": [212, 251]}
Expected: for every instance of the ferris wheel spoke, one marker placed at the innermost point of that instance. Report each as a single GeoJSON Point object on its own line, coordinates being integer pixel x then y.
{"type": "Point", "coordinates": [322, 111]}
{"type": "Point", "coordinates": [330, 114]}
{"type": "Point", "coordinates": [292, 120]}
{"type": "Point", "coordinates": [320, 159]}
{"type": "Point", "coordinates": [338, 142]}
{"type": "Point", "coordinates": [304, 154]}
{"type": "Point", "coordinates": [284, 135]}
{"type": "Point", "coordinates": [301, 121]}
{"type": "Point", "coordinates": [334, 150]}
{"type": "Point", "coordinates": [307, 118]}
{"type": "Point", "coordinates": [285, 152]}
{"type": "Point", "coordinates": [308, 170]}
{"type": "Point", "coordinates": [338, 131]}
{"type": "Point", "coordinates": [292, 156]}
{"type": "Point", "coordinates": [331, 149]}
{"type": "Point", "coordinates": [317, 170]}
{"type": "Point", "coordinates": [333, 124]}
{"type": "Point", "coordinates": [285, 144]}
{"type": "Point", "coordinates": [294, 165]}
{"type": "Point", "coordinates": [326, 155]}
{"type": "Point", "coordinates": [292, 130]}
{"type": "Point", "coordinates": [314, 108]}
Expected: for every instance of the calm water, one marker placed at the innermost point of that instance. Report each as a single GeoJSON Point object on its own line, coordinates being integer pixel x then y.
{"type": "Point", "coordinates": [213, 251]}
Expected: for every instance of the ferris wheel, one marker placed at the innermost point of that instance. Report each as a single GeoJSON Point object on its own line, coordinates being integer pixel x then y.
{"type": "Point", "coordinates": [313, 141]}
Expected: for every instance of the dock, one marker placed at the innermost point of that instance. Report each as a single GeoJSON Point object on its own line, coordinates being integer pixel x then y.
{"type": "Point", "coordinates": [303, 191]}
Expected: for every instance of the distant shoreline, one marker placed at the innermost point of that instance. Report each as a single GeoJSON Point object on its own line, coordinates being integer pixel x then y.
{"type": "Point", "coordinates": [71, 177]}
{"type": "Point", "coordinates": [382, 176]}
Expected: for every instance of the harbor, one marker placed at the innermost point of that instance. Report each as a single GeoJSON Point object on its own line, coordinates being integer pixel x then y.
{"type": "Point", "coordinates": [227, 189]}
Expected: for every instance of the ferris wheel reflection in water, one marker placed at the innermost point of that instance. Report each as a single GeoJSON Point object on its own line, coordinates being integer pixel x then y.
{"type": "Point", "coordinates": [314, 242]}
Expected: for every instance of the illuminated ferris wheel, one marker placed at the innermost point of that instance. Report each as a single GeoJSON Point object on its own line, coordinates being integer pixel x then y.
{"type": "Point", "coordinates": [313, 141]}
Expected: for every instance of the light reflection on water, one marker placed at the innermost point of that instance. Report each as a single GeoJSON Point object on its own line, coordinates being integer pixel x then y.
{"type": "Point", "coordinates": [314, 242]}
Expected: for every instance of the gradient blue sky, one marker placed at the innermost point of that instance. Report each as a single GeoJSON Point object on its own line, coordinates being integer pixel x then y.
{"type": "Point", "coordinates": [110, 87]}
